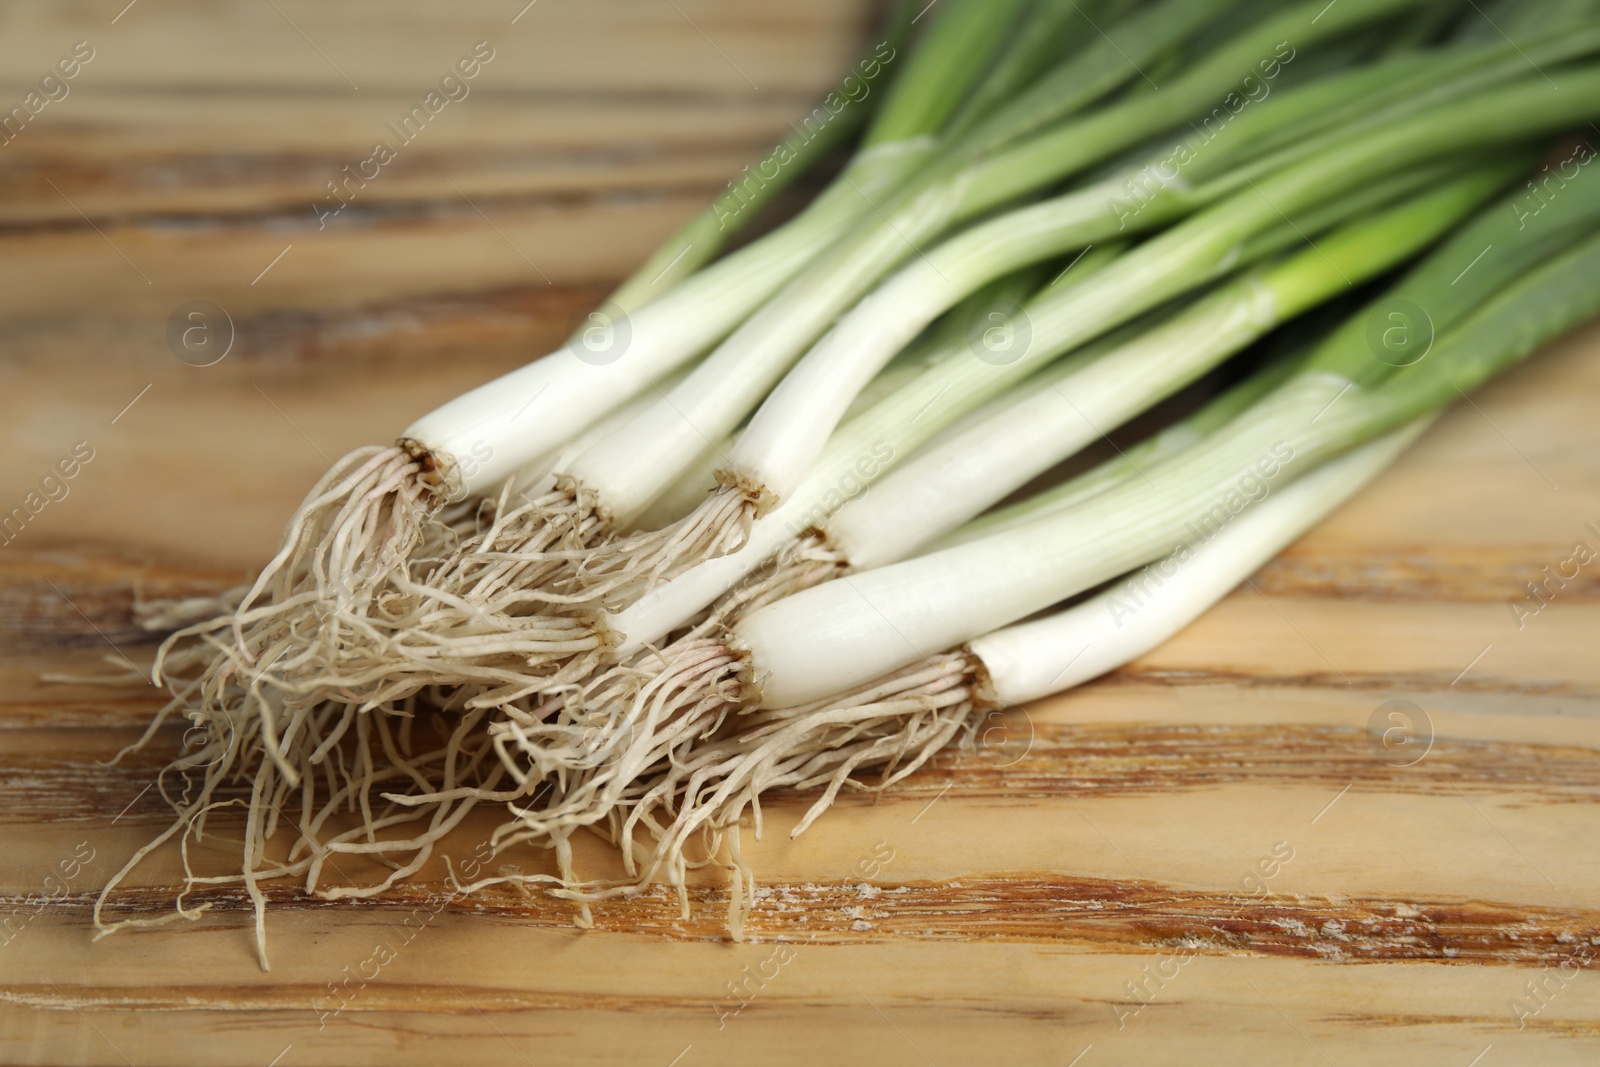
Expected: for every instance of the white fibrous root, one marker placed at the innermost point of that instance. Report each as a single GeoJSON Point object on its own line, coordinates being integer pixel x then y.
{"type": "Point", "coordinates": [166, 615]}
{"type": "Point", "coordinates": [309, 684]}
{"type": "Point", "coordinates": [317, 785]}
{"type": "Point", "coordinates": [483, 614]}
{"type": "Point", "coordinates": [354, 534]}
{"type": "Point", "coordinates": [481, 606]}
{"type": "Point", "coordinates": [805, 562]}
{"type": "Point", "coordinates": [595, 752]}
{"type": "Point", "coordinates": [619, 572]}
{"type": "Point", "coordinates": [467, 609]}
{"type": "Point", "coordinates": [676, 781]}
{"type": "Point", "coordinates": [597, 738]}
{"type": "Point", "coordinates": [593, 742]}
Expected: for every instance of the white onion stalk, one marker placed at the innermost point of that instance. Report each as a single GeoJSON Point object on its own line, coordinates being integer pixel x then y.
{"type": "Point", "coordinates": [534, 410]}
{"type": "Point", "coordinates": [1036, 427]}
{"type": "Point", "coordinates": [1130, 461]}
{"type": "Point", "coordinates": [700, 480]}
{"type": "Point", "coordinates": [873, 623]}
{"type": "Point", "coordinates": [1199, 249]}
{"type": "Point", "coordinates": [1032, 660]}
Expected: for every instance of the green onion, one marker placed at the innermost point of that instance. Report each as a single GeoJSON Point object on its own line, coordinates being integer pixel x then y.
{"type": "Point", "coordinates": [732, 535]}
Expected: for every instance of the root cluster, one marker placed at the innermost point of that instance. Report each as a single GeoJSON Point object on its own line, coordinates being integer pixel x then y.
{"type": "Point", "coordinates": [317, 784]}
{"type": "Point", "coordinates": [403, 661]}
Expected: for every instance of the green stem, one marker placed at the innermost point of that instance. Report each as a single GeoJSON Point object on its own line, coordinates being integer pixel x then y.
{"type": "Point", "coordinates": [1520, 112]}
{"type": "Point", "coordinates": [1104, 67]}
{"type": "Point", "coordinates": [1130, 461]}
{"type": "Point", "coordinates": [1051, 417]}
{"type": "Point", "coordinates": [1517, 307]}
{"type": "Point", "coordinates": [1022, 168]}
{"type": "Point", "coordinates": [1499, 246]}
{"type": "Point", "coordinates": [1053, 30]}
{"type": "Point", "coordinates": [819, 135]}
{"type": "Point", "coordinates": [1316, 119]}
{"type": "Point", "coordinates": [1540, 306]}
{"type": "Point", "coordinates": [950, 59]}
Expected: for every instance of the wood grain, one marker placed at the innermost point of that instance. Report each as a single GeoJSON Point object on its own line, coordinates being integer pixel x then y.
{"type": "Point", "coordinates": [1208, 856]}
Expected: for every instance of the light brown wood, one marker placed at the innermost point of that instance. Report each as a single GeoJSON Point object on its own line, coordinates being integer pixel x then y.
{"type": "Point", "coordinates": [1089, 892]}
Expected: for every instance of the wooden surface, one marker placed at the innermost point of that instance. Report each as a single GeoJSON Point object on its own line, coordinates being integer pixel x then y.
{"type": "Point", "coordinates": [994, 909]}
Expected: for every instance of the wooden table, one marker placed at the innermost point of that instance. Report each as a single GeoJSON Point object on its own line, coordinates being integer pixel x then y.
{"type": "Point", "coordinates": [1208, 857]}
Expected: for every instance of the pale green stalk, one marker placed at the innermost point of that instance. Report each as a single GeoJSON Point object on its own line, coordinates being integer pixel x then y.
{"type": "Point", "coordinates": [884, 619]}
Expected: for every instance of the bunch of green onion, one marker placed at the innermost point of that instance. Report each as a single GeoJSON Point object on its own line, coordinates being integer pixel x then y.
{"type": "Point", "coordinates": [765, 521]}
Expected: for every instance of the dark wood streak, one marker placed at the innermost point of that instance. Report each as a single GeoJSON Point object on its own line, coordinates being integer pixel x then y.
{"type": "Point", "coordinates": [1432, 574]}
{"type": "Point", "coordinates": [376, 211]}
{"type": "Point", "coordinates": [1506, 1020]}
{"type": "Point", "coordinates": [1073, 761]}
{"type": "Point", "coordinates": [1352, 681]}
{"type": "Point", "coordinates": [83, 596]}
{"type": "Point", "coordinates": [1156, 759]}
{"type": "Point", "coordinates": [525, 319]}
{"type": "Point", "coordinates": [128, 706]}
{"type": "Point", "coordinates": [1018, 907]}
{"type": "Point", "coordinates": [492, 329]}
{"type": "Point", "coordinates": [566, 96]}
